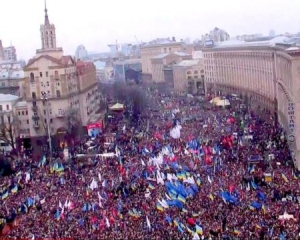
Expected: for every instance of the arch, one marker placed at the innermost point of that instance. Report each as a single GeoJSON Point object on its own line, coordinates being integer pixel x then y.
{"type": "Point", "coordinates": [195, 71]}
{"type": "Point", "coordinates": [31, 77]}
{"type": "Point", "coordinates": [202, 71]}
{"type": "Point", "coordinates": [188, 72]}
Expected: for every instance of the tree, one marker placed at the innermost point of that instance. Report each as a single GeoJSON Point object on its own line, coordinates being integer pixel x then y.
{"type": "Point", "coordinates": [73, 122]}
{"type": "Point", "coordinates": [8, 129]}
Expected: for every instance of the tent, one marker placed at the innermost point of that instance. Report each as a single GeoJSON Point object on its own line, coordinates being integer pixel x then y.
{"type": "Point", "coordinates": [215, 100]}
{"type": "Point", "coordinates": [117, 107]}
{"type": "Point", "coordinates": [222, 103]}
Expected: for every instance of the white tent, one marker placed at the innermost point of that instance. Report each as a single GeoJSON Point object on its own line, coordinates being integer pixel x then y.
{"type": "Point", "coordinates": [116, 107]}
{"type": "Point", "coordinates": [223, 103]}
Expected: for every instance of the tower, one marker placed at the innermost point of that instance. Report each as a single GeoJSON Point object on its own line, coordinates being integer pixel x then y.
{"type": "Point", "coordinates": [48, 35]}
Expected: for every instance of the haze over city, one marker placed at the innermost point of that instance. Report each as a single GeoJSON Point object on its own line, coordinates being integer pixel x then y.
{"type": "Point", "coordinates": [98, 23]}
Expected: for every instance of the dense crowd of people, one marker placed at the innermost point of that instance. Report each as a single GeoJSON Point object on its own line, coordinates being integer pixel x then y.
{"type": "Point", "coordinates": [223, 173]}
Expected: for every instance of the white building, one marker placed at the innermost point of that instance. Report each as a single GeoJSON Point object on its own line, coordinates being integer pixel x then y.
{"type": "Point", "coordinates": [81, 52]}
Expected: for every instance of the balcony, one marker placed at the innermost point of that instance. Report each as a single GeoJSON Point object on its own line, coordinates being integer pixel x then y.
{"type": "Point", "coordinates": [60, 115]}
{"type": "Point", "coordinates": [35, 118]}
{"type": "Point", "coordinates": [36, 126]}
{"type": "Point", "coordinates": [34, 108]}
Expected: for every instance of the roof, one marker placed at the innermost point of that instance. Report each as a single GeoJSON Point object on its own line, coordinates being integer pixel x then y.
{"type": "Point", "coordinates": [8, 97]}
{"type": "Point", "coordinates": [64, 60]}
{"type": "Point", "coordinates": [188, 63]}
{"type": "Point", "coordinates": [11, 74]}
{"type": "Point", "coordinates": [197, 54]}
{"type": "Point", "coordinates": [163, 55]}
{"type": "Point", "coordinates": [21, 104]}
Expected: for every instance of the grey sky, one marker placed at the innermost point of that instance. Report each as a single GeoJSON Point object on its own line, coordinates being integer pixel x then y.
{"type": "Point", "coordinates": [96, 23]}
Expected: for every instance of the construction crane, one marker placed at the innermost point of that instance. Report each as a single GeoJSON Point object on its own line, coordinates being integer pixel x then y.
{"type": "Point", "coordinates": [137, 40]}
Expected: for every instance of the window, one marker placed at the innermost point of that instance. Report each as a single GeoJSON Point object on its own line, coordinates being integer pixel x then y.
{"type": "Point", "coordinates": [26, 112]}
{"type": "Point", "coordinates": [45, 112]}
{"type": "Point", "coordinates": [23, 113]}
{"type": "Point", "coordinates": [195, 72]}
{"type": "Point", "coordinates": [31, 77]}
{"type": "Point", "coordinates": [60, 112]}
{"type": "Point", "coordinates": [33, 94]}
{"type": "Point", "coordinates": [56, 74]}
{"type": "Point", "coordinates": [1, 108]}
{"type": "Point", "coordinates": [189, 72]}
{"type": "Point", "coordinates": [51, 120]}
{"type": "Point", "coordinates": [48, 84]}
{"type": "Point", "coordinates": [41, 74]}
{"type": "Point", "coordinates": [196, 76]}
{"type": "Point", "coordinates": [57, 93]}
{"type": "Point", "coordinates": [47, 74]}
{"type": "Point", "coordinates": [7, 107]}
{"type": "Point", "coordinates": [27, 121]}
{"type": "Point", "coordinates": [19, 113]}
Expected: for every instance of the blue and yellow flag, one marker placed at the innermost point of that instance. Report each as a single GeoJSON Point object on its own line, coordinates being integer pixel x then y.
{"type": "Point", "coordinates": [14, 189]}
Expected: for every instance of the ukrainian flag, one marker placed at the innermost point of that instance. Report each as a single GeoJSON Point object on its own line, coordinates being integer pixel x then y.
{"type": "Point", "coordinates": [180, 176]}
{"type": "Point", "coordinates": [258, 226]}
{"type": "Point", "coordinates": [198, 182]}
{"type": "Point", "coordinates": [181, 198]}
{"type": "Point", "coordinates": [4, 195]}
{"type": "Point", "coordinates": [199, 230]}
{"type": "Point", "coordinates": [236, 232]}
{"type": "Point", "coordinates": [175, 223]}
{"type": "Point", "coordinates": [195, 214]}
{"type": "Point", "coordinates": [251, 208]}
{"type": "Point", "coordinates": [151, 186]}
{"type": "Point", "coordinates": [159, 207]}
{"type": "Point", "coordinates": [263, 207]}
{"type": "Point", "coordinates": [184, 210]}
{"type": "Point", "coordinates": [295, 176]}
{"type": "Point", "coordinates": [211, 197]}
{"type": "Point", "coordinates": [14, 189]}
{"type": "Point", "coordinates": [284, 178]}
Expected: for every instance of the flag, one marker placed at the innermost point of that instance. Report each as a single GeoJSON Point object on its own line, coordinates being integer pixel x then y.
{"type": "Point", "coordinates": [148, 223]}
{"type": "Point", "coordinates": [184, 210]}
{"type": "Point", "coordinates": [57, 215]}
{"type": "Point", "coordinates": [181, 198]}
{"type": "Point", "coordinates": [236, 232]}
{"type": "Point", "coordinates": [263, 207]}
{"type": "Point", "coordinates": [209, 179]}
{"type": "Point", "coordinates": [198, 182]}
{"type": "Point", "coordinates": [4, 195]}
{"type": "Point", "coordinates": [284, 178]}
{"type": "Point", "coordinates": [199, 230]}
{"type": "Point", "coordinates": [211, 197]}
{"type": "Point", "coordinates": [151, 186]}
{"type": "Point", "coordinates": [294, 175]}
{"type": "Point", "coordinates": [14, 189]}
{"type": "Point", "coordinates": [159, 207]}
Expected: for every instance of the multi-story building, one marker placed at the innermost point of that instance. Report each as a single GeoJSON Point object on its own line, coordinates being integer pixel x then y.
{"type": "Point", "coordinates": [217, 36]}
{"type": "Point", "coordinates": [166, 60]}
{"type": "Point", "coordinates": [1, 51]}
{"type": "Point", "coordinates": [189, 77]}
{"type": "Point", "coordinates": [8, 120]}
{"type": "Point", "coordinates": [121, 67]}
{"type": "Point", "coordinates": [81, 53]}
{"type": "Point", "coordinates": [268, 76]}
{"type": "Point", "coordinates": [249, 37]}
{"type": "Point", "coordinates": [54, 87]}
{"type": "Point", "coordinates": [9, 80]}
{"type": "Point", "coordinates": [9, 54]}
{"type": "Point", "coordinates": [157, 47]}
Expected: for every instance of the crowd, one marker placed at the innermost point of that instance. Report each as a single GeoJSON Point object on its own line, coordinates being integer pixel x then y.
{"type": "Point", "coordinates": [226, 174]}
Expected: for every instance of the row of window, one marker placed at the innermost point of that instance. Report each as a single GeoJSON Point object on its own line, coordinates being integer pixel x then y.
{"type": "Point", "coordinates": [23, 113]}
{"type": "Point", "coordinates": [6, 107]}
{"type": "Point", "coordinates": [32, 79]}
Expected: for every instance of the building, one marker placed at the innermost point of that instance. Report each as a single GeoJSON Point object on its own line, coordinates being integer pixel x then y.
{"type": "Point", "coordinates": [54, 87]}
{"type": "Point", "coordinates": [89, 97]}
{"type": "Point", "coordinates": [165, 60]}
{"type": "Point", "coordinates": [120, 68]}
{"type": "Point", "coordinates": [1, 51]}
{"type": "Point", "coordinates": [216, 35]}
{"type": "Point", "coordinates": [189, 77]}
{"type": "Point", "coordinates": [81, 53]}
{"type": "Point", "coordinates": [156, 47]}
{"type": "Point", "coordinates": [9, 80]}
{"type": "Point", "coordinates": [249, 37]}
{"type": "Point", "coordinates": [266, 75]}
{"type": "Point", "coordinates": [9, 54]}
{"type": "Point", "coordinates": [8, 120]}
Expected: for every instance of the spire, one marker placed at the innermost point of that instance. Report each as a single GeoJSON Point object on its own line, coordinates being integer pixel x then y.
{"type": "Point", "coordinates": [46, 15]}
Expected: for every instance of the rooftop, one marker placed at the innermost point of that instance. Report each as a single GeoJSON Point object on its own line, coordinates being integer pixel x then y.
{"type": "Point", "coordinates": [8, 97]}
{"type": "Point", "coordinates": [163, 55]}
{"type": "Point", "coordinates": [11, 74]}
{"type": "Point", "coordinates": [188, 63]}
{"type": "Point", "coordinates": [21, 104]}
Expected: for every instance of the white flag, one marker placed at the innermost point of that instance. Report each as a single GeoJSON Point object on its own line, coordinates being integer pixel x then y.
{"type": "Point", "coordinates": [148, 223]}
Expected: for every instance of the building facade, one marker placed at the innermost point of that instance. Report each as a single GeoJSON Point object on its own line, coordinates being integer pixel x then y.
{"type": "Point", "coordinates": [54, 86]}
{"type": "Point", "coordinates": [155, 48]}
{"type": "Point", "coordinates": [189, 77]}
{"type": "Point", "coordinates": [166, 60]}
{"type": "Point", "coordinates": [267, 75]}
{"type": "Point", "coordinates": [9, 54]}
{"type": "Point", "coordinates": [8, 120]}
{"type": "Point", "coordinates": [9, 80]}
{"type": "Point", "coordinates": [121, 67]}
{"type": "Point", "coordinates": [81, 53]}
{"type": "Point", "coordinates": [1, 51]}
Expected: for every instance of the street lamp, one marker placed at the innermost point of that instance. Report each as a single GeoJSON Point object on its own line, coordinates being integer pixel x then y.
{"type": "Point", "coordinates": [46, 103]}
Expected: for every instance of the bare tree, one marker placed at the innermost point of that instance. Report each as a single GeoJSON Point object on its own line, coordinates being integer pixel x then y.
{"type": "Point", "coordinates": [8, 129]}
{"type": "Point", "coordinates": [73, 122]}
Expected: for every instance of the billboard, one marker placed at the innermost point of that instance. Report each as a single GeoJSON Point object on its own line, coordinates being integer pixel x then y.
{"type": "Point", "coordinates": [94, 129]}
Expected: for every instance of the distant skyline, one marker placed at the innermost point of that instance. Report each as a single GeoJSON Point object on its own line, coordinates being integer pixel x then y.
{"type": "Point", "coordinates": [95, 24]}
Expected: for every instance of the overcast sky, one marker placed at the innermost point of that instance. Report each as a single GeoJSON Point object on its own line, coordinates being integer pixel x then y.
{"type": "Point", "coordinates": [96, 23]}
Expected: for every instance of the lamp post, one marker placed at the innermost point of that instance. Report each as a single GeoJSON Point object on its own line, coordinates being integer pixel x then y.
{"type": "Point", "coordinates": [46, 103]}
